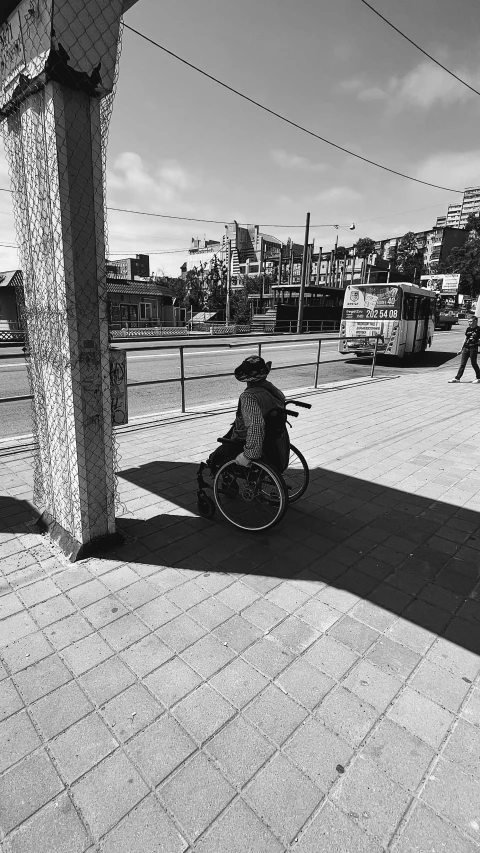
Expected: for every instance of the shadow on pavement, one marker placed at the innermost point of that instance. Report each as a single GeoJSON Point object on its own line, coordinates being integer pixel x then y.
{"type": "Point", "coordinates": [410, 555]}
{"type": "Point", "coordinates": [428, 360]}
{"type": "Point", "coordinates": [14, 514]}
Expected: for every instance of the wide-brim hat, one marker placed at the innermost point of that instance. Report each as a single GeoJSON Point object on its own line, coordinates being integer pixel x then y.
{"type": "Point", "coordinates": [252, 369]}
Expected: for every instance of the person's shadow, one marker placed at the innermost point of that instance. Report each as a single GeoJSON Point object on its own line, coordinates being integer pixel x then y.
{"type": "Point", "coordinates": [411, 556]}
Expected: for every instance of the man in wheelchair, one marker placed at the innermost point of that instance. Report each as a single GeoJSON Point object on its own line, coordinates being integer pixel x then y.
{"type": "Point", "coordinates": [259, 429]}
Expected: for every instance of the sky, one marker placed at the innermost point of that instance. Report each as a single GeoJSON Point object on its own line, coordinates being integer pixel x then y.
{"type": "Point", "coordinates": [181, 145]}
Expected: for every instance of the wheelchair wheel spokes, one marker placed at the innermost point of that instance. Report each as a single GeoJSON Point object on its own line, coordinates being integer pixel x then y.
{"type": "Point", "coordinates": [296, 476]}
{"type": "Point", "coordinates": [251, 498]}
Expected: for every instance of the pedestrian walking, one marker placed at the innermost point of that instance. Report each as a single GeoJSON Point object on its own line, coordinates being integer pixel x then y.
{"type": "Point", "coordinates": [469, 351]}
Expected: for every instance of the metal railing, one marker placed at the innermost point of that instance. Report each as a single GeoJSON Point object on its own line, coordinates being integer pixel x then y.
{"type": "Point", "coordinates": [183, 378]}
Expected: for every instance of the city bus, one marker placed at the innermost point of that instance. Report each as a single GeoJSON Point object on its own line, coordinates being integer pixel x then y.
{"type": "Point", "coordinates": [401, 314]}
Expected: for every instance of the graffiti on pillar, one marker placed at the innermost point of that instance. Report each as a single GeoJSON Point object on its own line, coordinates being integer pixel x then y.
{"type": "Point", "coordinates": [118, 386]}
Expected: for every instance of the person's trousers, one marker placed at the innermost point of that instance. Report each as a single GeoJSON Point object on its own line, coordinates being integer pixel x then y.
{"type": "Point", "coordinates": [472, 355]}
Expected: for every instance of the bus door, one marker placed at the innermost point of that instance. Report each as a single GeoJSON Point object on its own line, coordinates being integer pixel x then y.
{"type": "Point", "coordinates": [421, 330]}
{"type": "Point", "coordinates": [410, 315]}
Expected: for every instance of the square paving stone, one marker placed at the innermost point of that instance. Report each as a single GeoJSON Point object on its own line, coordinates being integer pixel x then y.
{"type": "Point", "coordinates": [37, 592]}
{"type": "Point", "coordinates": [346, 714]}
{"type": "Point", "coordinates": [239, 682]}
{"type": "Point", "coordinates": [172, 681]}
{"type": "Point", "coordinates": [275, 714]}
{"type": "Point", "coordinates": [471, 709]}
{"type": "Point", "coordinates": [82, 746]}
{"type": "Point", "coordinates": [240, 750]}
{"type": "Point", "coordinates": [124, 631]}
{"type": "Point", "coordinates": [131, 711]}
{"type": "Point", "coordinates": [88, 593]}
{"type": "Point", "coordinates": [372, 684]}
{"type": "Point", "coordinates": [295, 634]}
{"type": "Point", "coordinates": [268, 656]}
{"type": "Point", "coordinates": [354, 634]}
{"type": "Point", "coordinates": [463, 748]}
{"type": "Point", "coordinates": [119, 578]}
{"type": "Point", "coordinates": [27, 787]}
{"type": "Point", "coordinates": [17, 738]}
{"type": "Point", "coordinates": [377, 802]}
{"type": "Point", "coordinates": [439, 685]}
{"type": "Point", "coordinates": [238, 830]}
{"type": "Point", "coordinates": [305, 683]}
{"type": "Point", "coordinates": [160, 748]}
{"type": "Point", "coordinates": [393, 658]}
{"type": "Point", "coordinates": [57, 827]}
{"type": "Point", "coordinates": [373, 615]}
{"type": "Point", "coordinates": [181, 632]}
{"type": "Point", "coordinates": [147, 828]}
{"type": "Point", "coordinates": [10, 701]}
{"type": "Point", "coordinates": [68, 631]}
{"type": "Point", "coordinates": [264, 614]}
{"type": "Point", "coordinates": [158, 612]}
{"type": "Point", "coordinates": [238, 596]}
{"type": "Point", "coordinates": [283, 797]}
{"type": "Point", "coordinates": [210, 613]}
{"type": "Point", "coordinates": [59, 710]}
{"type": "Point", "coordinates": [319, 615]}
{"type": "Point", "coordinates": [86, 654]}
{"type": "Point", "coordinates": [452, 657]}
{"type": "Point", "coordinates": [187, 595]}
{"type": "Point", "coordinates": [456, 796]}
{"type": "Point", "coordinates": [42, 678]}
{"type": "Point", "coordinates": [137, 594]}
{"type": "Point", "coordinates": [319, 752]}
{"type": "Point", "coordinates": [196, 795]}
{"type": "Point", "coordinates": [207, 656]}
{"type": "Point", "coordinates": [105, 611]}
{"type": "Point", "coordinates": [288, 596]}
{"type": "Point", "coordinates": [107, 680]}
{"type": "Point", "coordinates": [108, 792]}
{"type": "Point", "coordinates": [426, 831]}
{"type": "Point", "coordinates": [332, 832]}
{"type": "Point", "coordinates": [420, 716]}
{"type": "Point", "coordinates": [202, 712]}
{"type": "Point", "coordinates": [331, 657]}
{"type": "Point", "coordinates": [403, 757]}
{"type": "Point", "coordinates": [413, 636]}
{"type": "Point", "coordinates": [10, 604]}
{"type": "Point", "coordinates": [145, 656]}
{"type": "Point", "coordinates": [26, 652]}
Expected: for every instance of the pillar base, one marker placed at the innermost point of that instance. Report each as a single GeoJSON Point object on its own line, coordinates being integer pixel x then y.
{"type": "Point", "coordinates": [71, 547]}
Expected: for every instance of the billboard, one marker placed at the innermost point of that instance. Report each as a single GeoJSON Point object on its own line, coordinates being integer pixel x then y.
{"type": "Point", "coordinates": [445, 283]}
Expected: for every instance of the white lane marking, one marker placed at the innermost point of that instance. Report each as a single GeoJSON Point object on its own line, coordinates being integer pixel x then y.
{"type": "Point", "coordinates": [216, 351]}
{"type": "Point", "coordinates": [17, 364]}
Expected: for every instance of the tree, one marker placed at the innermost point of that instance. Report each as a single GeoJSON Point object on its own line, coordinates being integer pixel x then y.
{"type": "Point", "coordinates": [364, 247]}
{"type": "Point", "coordinates": [466, 261]}
{"type": "Point", "coordinates": [473, 225]}
{"type": "Point", "coordinates": [341, 252]}
{"type": "Point", "coordinates": [409, 257]}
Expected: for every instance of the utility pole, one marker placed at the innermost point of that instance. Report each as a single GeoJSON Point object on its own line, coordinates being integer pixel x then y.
{"type": "Point", "coordinates": [229, 255]}
{"type": "Point", "coordinates": [319, 264]}
{"type": "Point", "coordinates": [304, 275]}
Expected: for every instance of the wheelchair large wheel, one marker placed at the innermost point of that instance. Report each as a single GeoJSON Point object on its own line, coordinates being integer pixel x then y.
{"type": "Point", "coordinates": [253, 498]}
{"type": "Point", "coordinates": [296, 476]}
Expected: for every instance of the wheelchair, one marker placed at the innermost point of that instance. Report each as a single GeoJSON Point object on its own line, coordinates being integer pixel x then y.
{"type": "Point", "coordinates": [254, 498]}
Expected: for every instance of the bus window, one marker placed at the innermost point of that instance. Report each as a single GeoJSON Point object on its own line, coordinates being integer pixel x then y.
{"type": "Point", "coordinates": [410, 306]}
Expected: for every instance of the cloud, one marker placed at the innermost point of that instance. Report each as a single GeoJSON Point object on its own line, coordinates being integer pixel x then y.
{"type": "Point", "coordinates": [338, 194]}
{"type": "Point", "coordinates": [295, 162]}
{"type": "Point", "coordinates": [423, 87]}
{"type": "Point", "coordinates": [166, 182]}
{"type": "Point", "coordinates": [458, 169]}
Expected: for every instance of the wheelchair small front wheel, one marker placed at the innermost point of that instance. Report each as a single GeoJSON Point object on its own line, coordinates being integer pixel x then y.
{"type": "Point", "coordinates": [206, 506]}
{"type": "Point", "coordinates": [253, 498]}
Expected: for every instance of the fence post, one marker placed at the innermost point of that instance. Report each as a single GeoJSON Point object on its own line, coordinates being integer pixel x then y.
{"type": "Point", "coordinates": [318, 362]}
{"type": "Point", "coordinates": [182, 379]}
{"type": "Point", "coordinates": [259, 350]}
{"type": "Point", "coordinates": [374, 357]}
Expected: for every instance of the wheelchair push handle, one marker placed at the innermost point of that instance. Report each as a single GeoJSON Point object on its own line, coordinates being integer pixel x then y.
{"type": "Point", "coordinates": [298, 403]}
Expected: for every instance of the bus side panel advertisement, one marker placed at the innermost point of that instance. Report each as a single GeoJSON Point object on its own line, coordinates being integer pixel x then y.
{"type": "Point", "coordinates": [370, 312]}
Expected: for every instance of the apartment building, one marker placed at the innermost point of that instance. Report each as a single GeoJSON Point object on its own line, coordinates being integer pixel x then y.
{"type": "Point", "coordinates": [434, 244]}
{"type": "Point", "coordinates": [458, 213]}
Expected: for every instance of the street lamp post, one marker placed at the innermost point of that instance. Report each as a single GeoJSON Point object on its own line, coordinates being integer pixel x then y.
{"type": "Point", "coordinates": [303, 277]}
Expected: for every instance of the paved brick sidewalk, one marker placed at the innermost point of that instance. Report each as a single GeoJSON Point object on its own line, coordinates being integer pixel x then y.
{"type": "Point", "coordinates": [314, 690]}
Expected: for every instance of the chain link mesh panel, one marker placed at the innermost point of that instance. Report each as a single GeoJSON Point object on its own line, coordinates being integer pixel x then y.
{"type": "Point", "coordinates": [57, 89]}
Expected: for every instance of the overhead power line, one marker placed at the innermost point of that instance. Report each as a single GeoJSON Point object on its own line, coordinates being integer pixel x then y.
{"type": "Point", "coordinates": [428, 55]}
{"type": "Point", "coordinates": [289, 121]}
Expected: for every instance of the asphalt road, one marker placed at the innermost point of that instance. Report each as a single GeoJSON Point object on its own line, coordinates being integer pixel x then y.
{"type": "Point", "coordinates": [293, 362]}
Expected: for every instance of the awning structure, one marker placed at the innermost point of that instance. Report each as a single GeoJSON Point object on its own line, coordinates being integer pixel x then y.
{"type": "Point", "coordinates": [203, 316]}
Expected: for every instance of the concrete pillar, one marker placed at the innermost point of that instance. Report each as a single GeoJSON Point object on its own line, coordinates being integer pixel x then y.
{"type": "Point", "coordinates": [59, 65]}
